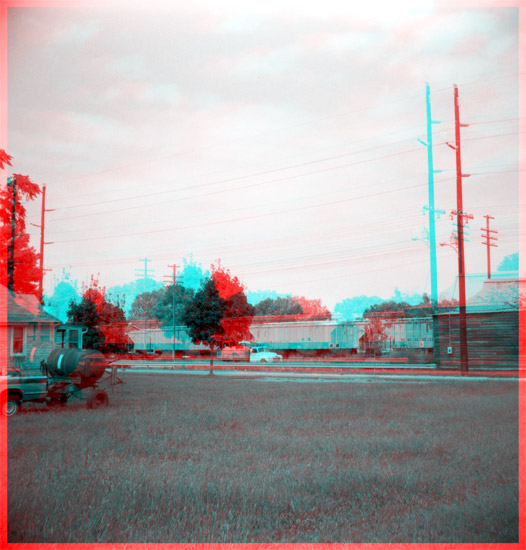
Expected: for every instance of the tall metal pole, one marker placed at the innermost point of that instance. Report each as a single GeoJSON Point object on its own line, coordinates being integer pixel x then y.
{"type": "Point", "coordinates": [432, 232]}
{"type": "Point", "coordinates": [464, 366]}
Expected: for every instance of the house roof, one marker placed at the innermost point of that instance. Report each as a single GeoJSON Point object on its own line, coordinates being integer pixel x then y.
{"type": "Point", "coordinates": [25, 308]}
{"type": "Point", "coordinates": [496, 295]}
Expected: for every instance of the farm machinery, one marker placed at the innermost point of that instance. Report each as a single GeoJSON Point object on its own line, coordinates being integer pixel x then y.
{"type": "Point", "coordinates": [67, 374]}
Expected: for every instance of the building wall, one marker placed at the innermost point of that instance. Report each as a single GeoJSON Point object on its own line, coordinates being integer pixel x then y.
{"type": "Point", "coordinates": [493, 339]}
{"type": "Point", "coordinates": [38, 343]}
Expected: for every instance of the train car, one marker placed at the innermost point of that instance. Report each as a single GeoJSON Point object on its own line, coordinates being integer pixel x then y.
{"type": "Point", "coordinates": [303, 338]}
{"type": "Point", "coordinates": [397, 337]}
{"type": "Point", "coordinates": [165, 340]}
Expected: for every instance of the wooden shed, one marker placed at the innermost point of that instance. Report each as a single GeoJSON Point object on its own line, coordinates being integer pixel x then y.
{"type": "Point", "coordinates": [492, 323]}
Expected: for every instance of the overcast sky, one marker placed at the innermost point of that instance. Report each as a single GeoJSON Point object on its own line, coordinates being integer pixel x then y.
{"type": "Point", "coordinates": [280, 139]}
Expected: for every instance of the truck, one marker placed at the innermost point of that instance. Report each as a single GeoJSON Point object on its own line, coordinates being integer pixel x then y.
{"type": "Point", "coordinates": [263, 355]}
{"type": "Point", "coordinates": [68, 373]}
{"type": "Point", "coordinates": [232, 351]}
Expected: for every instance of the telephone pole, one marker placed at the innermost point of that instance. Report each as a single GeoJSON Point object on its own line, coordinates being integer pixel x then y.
{"type": "Point", "coordinates": [42, 243]}
{"type": "Point", "coordinates": [11, 182]}
{"type": "Point", "coordinates": [173, 282]}
{"type": "Point", "coordinates": [145, 274]}
{"type": "Point", "coordinates": [488, 242]}
{"type": "Point", "coordinates": [461, 216]}
{"type": "Point", "coordinates": [433, 213]}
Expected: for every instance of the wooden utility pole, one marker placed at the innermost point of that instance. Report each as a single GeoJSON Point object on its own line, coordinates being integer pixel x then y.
{"type": "Point", "coordinates": [464, 362]}
{"type": "Point", "coordinates": [145, 275]}
{"type": "Point", "coordinates": [42, 244]}
{"type": "Point", "coordinates": [488, 242]}
{"type": "Point", "coordinates": [11, 182]}
{"type": "Point", "coordinates": [42, 226]}
{"type": "Point", "coordinates": [174, 282]}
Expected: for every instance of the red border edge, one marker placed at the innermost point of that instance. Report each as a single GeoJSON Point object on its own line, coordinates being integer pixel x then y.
{"type": "Point", "coordinates": [4, 5]}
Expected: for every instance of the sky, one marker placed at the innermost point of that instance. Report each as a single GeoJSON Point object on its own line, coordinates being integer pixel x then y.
{"type": "Point", "coordinates": [279, 138]}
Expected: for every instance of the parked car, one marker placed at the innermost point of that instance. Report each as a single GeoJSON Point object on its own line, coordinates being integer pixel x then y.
{"type": "Point", "coordinates": [260, 355]}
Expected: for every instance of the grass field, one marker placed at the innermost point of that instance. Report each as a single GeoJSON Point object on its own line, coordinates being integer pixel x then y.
{"type": "Point", "coordinates": [182, 458]}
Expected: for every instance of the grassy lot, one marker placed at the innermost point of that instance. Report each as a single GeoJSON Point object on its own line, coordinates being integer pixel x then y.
{"type": "Point", "coordinates": [181, 458]}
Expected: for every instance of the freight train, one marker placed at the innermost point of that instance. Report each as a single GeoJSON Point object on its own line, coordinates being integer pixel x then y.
{"type": "Point", "coordinates": [386, 337]}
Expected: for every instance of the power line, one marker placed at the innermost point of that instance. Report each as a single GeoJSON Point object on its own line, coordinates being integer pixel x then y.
{"type": "Point", "coordinates": [246, 176]}
{"type": "Point", "coordinates": [337, 116]}
{"type": "Point", "coordinates": [257, 216]}
{"type": "Point", "coordinates": [257, 184]}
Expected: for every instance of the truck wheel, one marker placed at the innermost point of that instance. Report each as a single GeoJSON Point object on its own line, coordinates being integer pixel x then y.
{"type": "Point", "coordinates": [10, 406]}
{"type": "Point", "coordinates": [99, 398]}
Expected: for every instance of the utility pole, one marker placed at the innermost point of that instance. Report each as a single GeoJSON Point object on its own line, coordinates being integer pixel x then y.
{"type": "Point", "coordinates": [488, 242]}
{"type": "Point", "coordinates": [42, 244]}
{"type": "Point", "coordinates": [145, 274]}
{"type": "Point", "coordinates": [432, 215]}
{"type": "Point", "coordinates": [174, 282]}
{"type": "Point", "coordinates": [461, 216]}
{"type": "Point", "coordinates": [11, 182]}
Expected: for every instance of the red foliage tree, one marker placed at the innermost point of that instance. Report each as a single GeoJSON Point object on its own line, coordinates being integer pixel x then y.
{"type": "Point", "coordinates": [26, 272]}
{"type": "Point", "coordinates": [312, 310]}
{"type": "Point", "coordinates": [238, 315]}
{"type": "Point", "coordinates": [93, 311]}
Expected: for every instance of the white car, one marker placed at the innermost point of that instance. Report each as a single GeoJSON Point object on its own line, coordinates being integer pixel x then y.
{"type": "Point", "coordinates": [260, 355]}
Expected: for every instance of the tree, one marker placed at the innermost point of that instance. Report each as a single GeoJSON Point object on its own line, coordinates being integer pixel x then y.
{"type": "Point", "coordinates": [5, 159]}
{"type": "Point", "coordinates": [203, 316]}
{"type": "Point", "coordinates": [170, 307]}
{"type": "Point", "coordinates": [351, 308]}
{"type": "Point", "coordinates": [26, 272]}
{"type": "Point", "coordinates": [313, 310]}
{"type": "Point", "coordinates": [92, 311]}
{"type": "Point", "coordinates": [66, 289]}
{"type": "Point", "coordinates": [192, 274]}
{"type": "Point", "coordinates": [145, 304]}
{"type": "Point", "coordinates": [238, 313]}
{"type": "Point", "coordinates": [278, 306]}
{"type": "Point", "coordinates": [392, 309]}
{"type": "Point", "coordinates": [128, 292]}
{"type": "Point", "coordinates": [59, 303]}
{"type": "Point", "coordinates": [509, 263]}
{"type": "Point", "coordinates": [386, 306]}
{"type": "Point", "coordinates": [159, 305]}
{"type": "Point", "coordinates": [375, 334]}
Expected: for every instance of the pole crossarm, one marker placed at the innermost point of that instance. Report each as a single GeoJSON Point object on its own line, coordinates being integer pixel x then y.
{"type": "Point", "coordinates": [437, 211]}
{"type": "Point", "coordinates": [486, 234]}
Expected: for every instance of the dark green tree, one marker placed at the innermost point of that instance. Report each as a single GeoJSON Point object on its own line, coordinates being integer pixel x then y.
{"type": "Point", "coordinates": [92, 311]}
{"type": "Point", "coordinates": [203, 316]}
{"type": "Point", "coordinates": [278, 306]}
{"type": "Point", "coordinates": [159, 305]}
{"type": "Point", "coordinates": [392, 308]}
{"type": "Point", "coordinates": [170, 307]}
{"type": "Point", "coordinates": [145, 305]}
